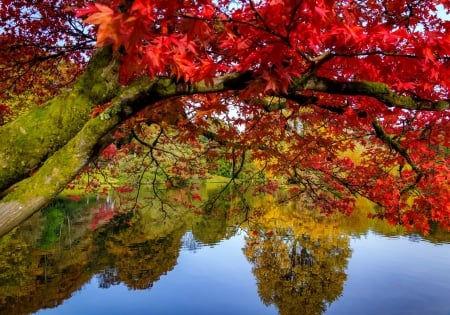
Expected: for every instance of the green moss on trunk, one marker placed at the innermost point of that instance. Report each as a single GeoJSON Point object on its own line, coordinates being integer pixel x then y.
{"type": "Point", "coordinates": [32, 193]}
{"type": "Point", "coordinates": [74, 137]}
{"type": "Point", "coordinates": [377, 90]}
{"type": "Point", "coordinates": [26, 142]}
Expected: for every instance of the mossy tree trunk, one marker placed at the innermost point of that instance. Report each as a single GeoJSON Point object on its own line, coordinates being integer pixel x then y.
{"type": "Point", "coordinates": [42, 151]}
{"type": "Point", "coordinates": [28, 141]}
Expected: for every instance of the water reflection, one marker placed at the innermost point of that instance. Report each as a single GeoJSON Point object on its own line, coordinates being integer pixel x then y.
{"type": "Point", "coordinates": [190, 243]}
{"type": "Point", "coordinates": [298, 258]}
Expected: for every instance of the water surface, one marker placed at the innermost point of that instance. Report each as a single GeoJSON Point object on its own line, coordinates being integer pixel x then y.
{"type": "Point", "coordinates": [66, 260]}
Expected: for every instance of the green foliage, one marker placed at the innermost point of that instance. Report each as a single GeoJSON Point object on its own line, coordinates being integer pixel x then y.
{"type": "Point", "coordinates": [223, 168]}
{"type": "Point", "coordinates": [55, 216]}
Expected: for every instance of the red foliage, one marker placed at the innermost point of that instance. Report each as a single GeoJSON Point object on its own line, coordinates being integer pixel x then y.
{"type": "Point", "coordinates": [102, 214]}
{"type": "Point", "coordinates": [403, 44]}
{"type": "Point", "coordinates": [74, 197]}
{"type": "Point", "coordinates": [109, 152]}
{"type": "Point", "coordinates": [280, 40]}
{"type": "Point", "coordinates": [39, 39]}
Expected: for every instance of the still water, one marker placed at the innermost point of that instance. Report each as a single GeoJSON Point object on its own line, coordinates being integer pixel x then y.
{"type": "Point", "coordinates": [74, 258]}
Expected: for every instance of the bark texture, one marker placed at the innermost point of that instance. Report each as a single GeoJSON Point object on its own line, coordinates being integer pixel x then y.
{"type": "Point", "coordinates": [29, 140]}
{"type": "Point", "coordinates": [56, 165]}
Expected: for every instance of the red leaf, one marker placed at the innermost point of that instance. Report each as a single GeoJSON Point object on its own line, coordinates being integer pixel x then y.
{"type": "Point", "coordinates": [74, 197]}
{"type": "Point", "coordinates": [124, 189]}
{"type": "Point", "coordinates": [109, 152]}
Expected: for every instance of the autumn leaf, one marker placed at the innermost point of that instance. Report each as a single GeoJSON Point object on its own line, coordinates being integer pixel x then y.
{"type": "Point", "coordinates": [109, 24]}
{"type": "Point", "coordinates": [109, 152]}
{"type": "Point", "coordinates": [99, 109]}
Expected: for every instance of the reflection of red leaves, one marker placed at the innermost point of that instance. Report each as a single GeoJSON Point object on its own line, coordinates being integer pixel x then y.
{"type": "Point", "coordinates": [196, 197]}
{"type": "Point", "coordinates": [74, 197]}
{"type": "Point", "coordinates": [101, 215]}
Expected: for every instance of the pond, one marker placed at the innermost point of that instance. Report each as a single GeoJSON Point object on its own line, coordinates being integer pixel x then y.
{"type": "Point", "coordinates": [261, 257]}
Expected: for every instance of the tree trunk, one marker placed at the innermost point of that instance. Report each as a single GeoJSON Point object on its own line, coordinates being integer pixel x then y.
{"type": "Point", "coordinates": [57, 141]}
{"type": "Point", "coordinates": [26, 142]}
{"type": "Point", "coordinates": [42, 151]}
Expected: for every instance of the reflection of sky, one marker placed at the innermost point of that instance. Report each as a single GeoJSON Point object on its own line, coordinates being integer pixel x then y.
{"type": "Point", "coordinates": [396, 276]}
{"type": "Point", "coordinates": [386, 276]}
{"type": "Point", "coordinates": [211, 280]}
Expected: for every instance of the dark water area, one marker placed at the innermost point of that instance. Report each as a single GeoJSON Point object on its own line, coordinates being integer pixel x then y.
{"type": "Point", "coordinates": [84, 258]}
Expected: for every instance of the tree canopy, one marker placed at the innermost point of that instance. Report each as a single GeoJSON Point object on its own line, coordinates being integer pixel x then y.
{"type": "Point", "coordinates": [295, 85]}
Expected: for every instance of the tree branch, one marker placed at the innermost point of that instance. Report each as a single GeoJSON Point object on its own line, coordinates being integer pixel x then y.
{"type": "Point", "coordinates": [397, 147]}
{"type": "Point", "coordinates": [27, 141]}
{"type": "Point", "coordinates": [377, 90]}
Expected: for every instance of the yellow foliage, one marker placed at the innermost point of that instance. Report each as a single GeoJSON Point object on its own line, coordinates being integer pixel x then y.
{"type": "Point", "coordinates": [299, 257]}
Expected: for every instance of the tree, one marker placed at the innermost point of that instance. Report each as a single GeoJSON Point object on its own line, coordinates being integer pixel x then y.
{"type": "Point", "coordinates": [302, 82]}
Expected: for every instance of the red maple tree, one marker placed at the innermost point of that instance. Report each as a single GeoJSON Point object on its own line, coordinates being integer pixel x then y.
{"type": "Point", "coordinates": [302, 81]}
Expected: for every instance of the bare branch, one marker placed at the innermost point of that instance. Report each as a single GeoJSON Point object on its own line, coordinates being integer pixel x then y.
{"type": "Point", "coordinates": [397, 147]}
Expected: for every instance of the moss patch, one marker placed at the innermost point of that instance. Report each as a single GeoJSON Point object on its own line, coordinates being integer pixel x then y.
{"type": "Point", "coordinates": [26, 142]}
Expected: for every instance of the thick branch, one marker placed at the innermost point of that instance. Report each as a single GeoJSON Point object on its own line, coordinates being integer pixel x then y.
{"type": "Point", "coordinates": [26, 142]}
{"type": "Point", "coordinates": [377, 90]}
{"type": "Point", "coordinates": [29, 195]}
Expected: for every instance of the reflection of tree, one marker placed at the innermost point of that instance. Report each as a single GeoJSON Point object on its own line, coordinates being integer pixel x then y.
{"type": "Point", "coordinates": [45, 260]}
{"type": "Point", "coordinates": [210, 230]}
{"type": "Point", "coordinates": [139, 265]}
{"type": "Point", "coordinates": [189, 242]}
{"type": "Point", "coordinates": [220, 215]}
{"type": "Point", "coordinates": [34, 272]}
{"type": "Point", "coordinates": [299, 260]}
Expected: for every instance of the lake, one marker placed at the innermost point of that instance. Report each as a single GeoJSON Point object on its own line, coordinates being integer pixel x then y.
{"type": "Point", "coordinates": [261, 257]}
